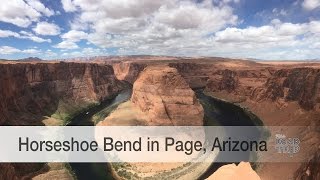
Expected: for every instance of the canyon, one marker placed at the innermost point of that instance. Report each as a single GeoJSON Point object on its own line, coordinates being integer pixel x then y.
{"type": "Point", "coordinates": [30, 91]}
{"type": "Point", "coordinates": [281, 94]}
{"type": "Point", "coordinates": [35, 93]}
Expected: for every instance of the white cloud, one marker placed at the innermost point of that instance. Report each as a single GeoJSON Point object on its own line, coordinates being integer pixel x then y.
{"type": "Point", "coordinates": [6, 33]}
{"type": "Point", "coordinates": [117, 9]}
{"type": "Point", "coordinates": [75, 35]}
{"type": "Point", "coordinates": [8, 50]}
{"type": "Point", "coordinates": [22, 13]}
{"type": "Point", "coordinates": [119, 26]}
{"type": "Point", "coordinates": [49, 53]}
{"type": "Point", "coordinates": [70, 38]}
{"type": "Point", "coordinates": [280, 12]}
{"type": "Point", "coordinates": [30, 36]}
{"type": "Point", "coordinates": [77, 24]}
{"type": "Point", "coordinates": [315, 27]}
{"type": "Point", "coordinates": [38, 39]}
{"type": "Point", "coordinates": [188, 15]}
{"type": "Point", "coordinates": [45, 28]}
{"type": "Point", "coordinates": [67, 45]}
{"type": "Point", "coordinates": [229, 1]}
{"type": "Point", "coordinates": [22, 35]}
{"type": "Point", "coordinates": [85, 52]}
{"type": "Point", "coordinates": [274, 33]}
{"type": "Point", "coordinates": [171, 27]}
{"type": "Point", "coordinates": [275, 41]}
{"type": "Point", "coordinates": [101, 40]}
{"type": "Point", "coordinates": [148, 24]}
{"type": "Point", "coordinates": [31, 51]}
{"type": "Point", "coordinates": [136, 15]}
{"type": "Point", "coordinates": [68, 6]}
{"type": "Point", "coordinates": [310, 4]}
{"type": "Point", "coordinates": [38, 6]}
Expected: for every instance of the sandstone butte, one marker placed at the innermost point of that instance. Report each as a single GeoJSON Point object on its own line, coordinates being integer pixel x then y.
{"type": "Point", "coordinates": [166, 98]}
{"type": "Point", "coordinates": [231, 171]}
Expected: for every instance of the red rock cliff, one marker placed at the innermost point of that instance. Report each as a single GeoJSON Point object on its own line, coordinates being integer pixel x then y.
{"type": "Point", "coordinates": [297, 84]}
{"type": "Point", "coordinates": [167, 99]}
{"type": "Point", "coordinates": [29, 91]}
{"type": "Point", "coordinates": [128, 71]}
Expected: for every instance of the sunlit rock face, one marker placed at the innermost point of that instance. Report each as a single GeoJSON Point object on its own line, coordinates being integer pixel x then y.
{"type": "Point", "coordinates": [128, 71]}
{"type": "Point", "coordinates": [166, 98]}
{"type": "Point", "coordinates": [231, 171]}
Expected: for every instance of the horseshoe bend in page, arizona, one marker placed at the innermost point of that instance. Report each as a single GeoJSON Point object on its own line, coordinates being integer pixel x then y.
{"type": "Point", "coordinates": [160, 89]}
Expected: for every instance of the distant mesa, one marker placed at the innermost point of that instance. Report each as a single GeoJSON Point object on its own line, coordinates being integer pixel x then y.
{"type": "Point", "coordinates": [31, 59]}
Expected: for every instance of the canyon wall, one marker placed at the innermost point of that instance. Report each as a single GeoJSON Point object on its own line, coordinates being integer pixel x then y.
{"type": "Point", "coordinates": [128, 71]}
{"type": "Point", "coordinates": [166, 98]}
{"type": "Point", "coordinates": [29, 91]}
{"type": "Point", "coordinates": [299, 85]}
{"type": "Point", "coordinates": [196, 74]}
{"type": "Point", "coordinates": [309, 169]}
{"type": "Point", "coordinates": [241, 80]}
{"type": "Point", "coordinates": [15, 171]}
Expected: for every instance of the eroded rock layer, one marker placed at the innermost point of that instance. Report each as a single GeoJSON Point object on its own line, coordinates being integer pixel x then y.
{"type": "Point", "coordinates": [29, 91]}
{"type": "Point", "coordinates": [128, 71]}
{"type": "Point", "coordinates": [301, 85]}
{"type": "Point", "coordinates": [166, 98]}
{"type": "Point", "coordinates": [280, 93]}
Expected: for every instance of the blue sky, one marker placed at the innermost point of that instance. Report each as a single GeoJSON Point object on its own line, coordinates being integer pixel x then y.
{"type": "Point", "coordinates": [58, 29]}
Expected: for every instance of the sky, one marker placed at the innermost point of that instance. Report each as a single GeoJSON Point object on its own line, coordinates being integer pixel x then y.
{"type": "Point", "coordinates": [259, 29]}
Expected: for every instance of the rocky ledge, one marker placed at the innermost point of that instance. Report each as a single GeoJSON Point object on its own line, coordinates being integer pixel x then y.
{"type": "Point", "coordinates": [166, 98]}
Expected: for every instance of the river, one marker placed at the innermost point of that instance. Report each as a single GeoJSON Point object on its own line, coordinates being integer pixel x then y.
{"type": "Point", "coordinates": [217, 113]}
{"type": "Point", "coordinates": [96, 171]}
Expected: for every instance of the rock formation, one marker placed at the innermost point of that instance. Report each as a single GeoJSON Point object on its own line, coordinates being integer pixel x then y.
{"type": "Point", "coordinates": [29, 91]}
{"type": "Point", "coordinates": [194, 73]}
{"type": "Point", "coordinates": [128, 71]}
{"type": "Point", "coordinates": [310, 169]}
{"type": "Point", "coordinates": [166, 98]}
{"type": "Point", "coordinates": [289, 85]}
{"type": "Point", "coordinates": [225, 80]}
{"type": "Point", "coordinates": [19, 170]}
{"type": "Point", "coordinates": [281, 94]}
{"type": "Point", "coordinates": [245, 79]}
{"type": "Point", "coordinates": [231, 171]}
